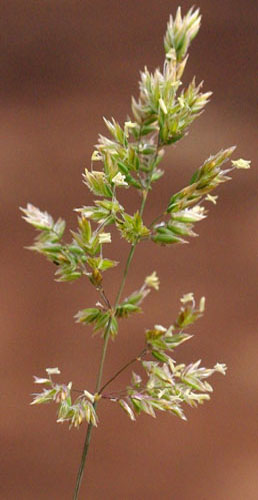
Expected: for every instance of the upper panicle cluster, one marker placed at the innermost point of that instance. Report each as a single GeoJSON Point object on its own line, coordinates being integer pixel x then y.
{"type": "Point", "coordinates": [161, 116]}
{"type": "Point", "coordinates": [159, 105]}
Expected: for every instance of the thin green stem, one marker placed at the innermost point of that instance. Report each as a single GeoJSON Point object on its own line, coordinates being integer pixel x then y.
{"type": "Point", "coordinates": [144, 199]}
{"type": "Point", "coordinates": [90, 425]}
{"type": "Point", "coordinates": [157, 219]}
{"type": "Point", "coordinates": [104, 297]}
{"type": "Point", "coordinates": [136, 358]}
{"type": "Point", "coordinates": [127, 266]}
{"type": "Point", "coordinates": [83, 459]}
{"type": "Point", "coordinates": [106, 338]}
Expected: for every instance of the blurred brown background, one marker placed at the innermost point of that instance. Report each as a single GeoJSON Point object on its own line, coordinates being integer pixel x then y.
{"type": "Point", "coordinates": [65, 64]}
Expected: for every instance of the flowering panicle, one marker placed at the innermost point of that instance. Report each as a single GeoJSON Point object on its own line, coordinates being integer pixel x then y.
{"type": "Point", "coordinates": [129, 158]}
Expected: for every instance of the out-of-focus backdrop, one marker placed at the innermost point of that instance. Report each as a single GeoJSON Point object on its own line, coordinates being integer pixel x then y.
{"type": "Point", "coordinates": [65, 64]}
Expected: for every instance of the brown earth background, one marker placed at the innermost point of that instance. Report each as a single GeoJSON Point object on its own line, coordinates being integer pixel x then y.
{"type": "Point", "coordinates": [65, 64]}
